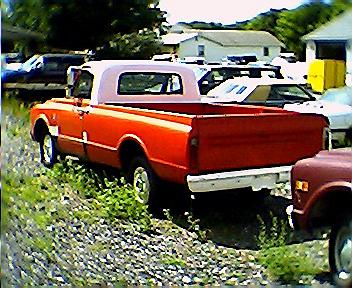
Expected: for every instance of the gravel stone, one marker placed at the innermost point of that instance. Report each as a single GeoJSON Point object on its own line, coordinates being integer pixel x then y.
{"type": "Point", "coordinates": [103, 254]}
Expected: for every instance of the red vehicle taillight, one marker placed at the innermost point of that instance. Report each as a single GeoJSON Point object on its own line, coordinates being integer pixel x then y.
{"type": "Point", "coordinates": [193, 153]}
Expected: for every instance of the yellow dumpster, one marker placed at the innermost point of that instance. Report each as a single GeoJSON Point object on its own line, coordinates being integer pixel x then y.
{"type": "Point", "coordinates": [325, 74]}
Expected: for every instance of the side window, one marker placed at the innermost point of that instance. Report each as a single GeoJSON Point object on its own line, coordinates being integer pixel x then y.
{"type": "Point", "coordinates": [260, 94]}
{"type": "Point", "coordinates": [51, 64]}
{"type": "Point", "coordinates": [149, 83]}
{"type": "Point", "coordinates": [82, 86]}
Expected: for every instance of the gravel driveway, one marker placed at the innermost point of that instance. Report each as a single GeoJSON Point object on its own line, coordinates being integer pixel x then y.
{"type": "Point", "coordinates": [87, 253]}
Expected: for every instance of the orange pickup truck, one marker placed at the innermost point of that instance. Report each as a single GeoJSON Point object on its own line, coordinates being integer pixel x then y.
{"type": "Point", "coordinates": [146, 118]}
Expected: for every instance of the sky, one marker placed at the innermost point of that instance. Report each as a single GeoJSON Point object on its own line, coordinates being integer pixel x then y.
{"type": "Point", "coordinates": [221, 11]}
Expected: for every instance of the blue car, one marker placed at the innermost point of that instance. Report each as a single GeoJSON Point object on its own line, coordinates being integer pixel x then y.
{"type": "Point", "coordinates": [47, 68]}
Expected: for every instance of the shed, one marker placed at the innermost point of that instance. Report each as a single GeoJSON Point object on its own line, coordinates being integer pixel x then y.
{"type": "Point", "coordinates": [332, 41]}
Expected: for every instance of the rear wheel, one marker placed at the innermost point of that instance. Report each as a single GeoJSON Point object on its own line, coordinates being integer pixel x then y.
{"type": "Point", "coordinates": [144, 181]}
{"type": "Point", "coordinates": [48, 152]}
{"type": "Point", "coordinates": [340, 251]}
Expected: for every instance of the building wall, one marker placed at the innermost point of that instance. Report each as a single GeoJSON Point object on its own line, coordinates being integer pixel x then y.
{"type": "Point", "coordinates": [311, 55]}
{"type": "Point", "coordinates": [310, 51]}
{"type": "Point", "coordinates": [349, 63]}
{"type": "Point", "coordinates": [215, 52]}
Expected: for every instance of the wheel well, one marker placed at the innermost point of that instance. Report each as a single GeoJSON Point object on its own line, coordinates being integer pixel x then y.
{"type": "Point", "coordinates": [129, 150]}
{"type": "Point", "coordinates": [40, 129]}
{"type": "Point", "coordinates": [329, 208]}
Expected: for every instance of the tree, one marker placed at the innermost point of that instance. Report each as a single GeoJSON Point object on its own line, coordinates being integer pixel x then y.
{"type": "Point", "coordinates": [85, 24]}
{"type": "Point", "coordinates": [137, 45]}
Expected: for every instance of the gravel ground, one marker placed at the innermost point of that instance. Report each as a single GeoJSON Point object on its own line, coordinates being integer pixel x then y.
{"type": "Point", "coordinates": [86, 253]}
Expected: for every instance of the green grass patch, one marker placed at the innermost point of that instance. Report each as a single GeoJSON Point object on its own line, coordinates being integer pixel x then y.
{"type": "Point", "coordinates": [173, 260]}
{"type": "Point", "coordinates": [115, 200]}
{"type": "Point", "coordinates": [287, 264]}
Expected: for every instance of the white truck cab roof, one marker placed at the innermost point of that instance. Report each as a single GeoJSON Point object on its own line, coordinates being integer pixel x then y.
{"type": "Point", "coordinates": [110, 75]}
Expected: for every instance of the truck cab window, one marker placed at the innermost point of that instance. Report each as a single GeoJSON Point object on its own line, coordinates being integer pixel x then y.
{"type": "Point", "coordinates": [149, 83]}
{"type": "Point", "coordinates": [82, 86]}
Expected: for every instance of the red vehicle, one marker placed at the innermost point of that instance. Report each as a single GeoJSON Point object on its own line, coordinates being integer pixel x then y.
{"type": "Point", "coordinates": [146, 118]}
{"type": "Point", "coordinates": [322, 196]}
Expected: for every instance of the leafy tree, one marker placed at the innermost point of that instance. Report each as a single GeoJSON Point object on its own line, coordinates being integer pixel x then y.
{"type": "Point", "coordinates": [263, 22]}
{"type": "Point", "coordinates": [292, 25]}
{"type": "Point", "coordinates": [86, 24]}
{"type": "Point", "coordinates": [137, 45]}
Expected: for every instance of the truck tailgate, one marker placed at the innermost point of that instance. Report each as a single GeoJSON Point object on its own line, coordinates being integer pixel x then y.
{"type": "Point", "coordinates": [246, 141]}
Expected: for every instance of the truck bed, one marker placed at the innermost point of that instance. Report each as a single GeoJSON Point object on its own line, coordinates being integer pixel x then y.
{"type": "Point", "coordinates": [231, 138]}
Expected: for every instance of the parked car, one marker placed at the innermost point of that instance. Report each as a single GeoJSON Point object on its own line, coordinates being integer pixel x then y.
{"type": "Point", "coordinates": [242, 59]}
{"type": "Point", "coordinates": [336, 104]}
{"type": "Point", "coordinates": [210, 76]}
{"type": "Point", "coordinates": [47, 68]}
{"type": "Point", "coordinates": [193, 60]}
{"type": "Point", "coordinates": [322, 196]}
{"type": "Point", "coordinates": [292, 69]}
{"type": "Point", "coordinates": [259, 91]}
{"type": "Point", "coordinates": [11, 61]}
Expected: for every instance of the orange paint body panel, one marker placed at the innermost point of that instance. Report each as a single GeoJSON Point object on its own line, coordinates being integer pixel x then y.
{"type": "Point", "coordinates": [226, 137]}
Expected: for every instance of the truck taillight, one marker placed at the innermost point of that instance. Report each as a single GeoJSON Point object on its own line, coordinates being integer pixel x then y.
{"type": "Point", "coordinates": [327, 139]}
{"type": "Point", "coordinates": [193, 153]}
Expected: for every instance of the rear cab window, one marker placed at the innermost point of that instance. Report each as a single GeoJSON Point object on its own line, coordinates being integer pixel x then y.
{"type": "Point", "coordinates": [138, 83]}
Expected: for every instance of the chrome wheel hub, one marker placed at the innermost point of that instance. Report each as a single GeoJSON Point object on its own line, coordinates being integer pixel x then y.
{"type": "Point", "coordinates": [47, 148]}
{"type": "Point", "coordinates": [141, 184]}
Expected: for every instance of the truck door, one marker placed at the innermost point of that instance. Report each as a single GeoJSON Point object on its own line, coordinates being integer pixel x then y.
{"type": "Point", "coordinates": [73, 138]}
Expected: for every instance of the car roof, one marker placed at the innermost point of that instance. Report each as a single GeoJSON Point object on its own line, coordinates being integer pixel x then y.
{"type": "Point", "coordinates": [260, 81]}
{"type": "Point", "coordinates": [47, 55]}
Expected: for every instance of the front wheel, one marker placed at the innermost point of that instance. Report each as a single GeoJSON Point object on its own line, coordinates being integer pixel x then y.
{"type": "Point", "coordinates": [144, 181]}
{"type": "Point", "coordinates": [340, 252]}
{"type": "Point", "coordinates": [48, 152]}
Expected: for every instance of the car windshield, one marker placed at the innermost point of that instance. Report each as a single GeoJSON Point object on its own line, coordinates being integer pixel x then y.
{"type": "Point", "coordinates": [28, 64]}
{"type": "Point", "coordinates": [291, 92]}
{"type": "Point", "coordinates": [341, 96]}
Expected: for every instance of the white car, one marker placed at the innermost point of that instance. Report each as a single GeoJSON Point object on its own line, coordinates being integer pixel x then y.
{"type": "Point", "coordinates": [265, 91]}
{"type": "Point", "coordinates": [336, 104]}
{"type": "Point", "coordinates": [290, 96]}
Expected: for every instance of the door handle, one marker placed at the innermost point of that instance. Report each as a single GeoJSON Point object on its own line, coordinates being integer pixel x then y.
{"type": "Point", "coordinates": [82, 111]}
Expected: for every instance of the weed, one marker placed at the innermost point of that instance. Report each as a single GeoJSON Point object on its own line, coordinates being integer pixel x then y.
{"type": "Point", "coordinates": [276, 236]}
{"type": "Point", "coordinates": [282, 262]}
{"type": "Point", "coordinates": [172, 260]}
{"type": "Point", "coordinates": [116, 201]}
{"type": "Point", "coordinates": [193, 226]}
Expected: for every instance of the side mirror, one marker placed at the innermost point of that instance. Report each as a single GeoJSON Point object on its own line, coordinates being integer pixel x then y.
{"type": "Point", "coordinates": [78, 102]}
{"type": "Point", "coordinates": [38, 66]}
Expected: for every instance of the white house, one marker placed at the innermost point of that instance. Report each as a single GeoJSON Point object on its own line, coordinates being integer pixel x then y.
{"type": "Point", "coordinates": [332, 41]}
{"type": "Point", "coordinates": [214, 45]}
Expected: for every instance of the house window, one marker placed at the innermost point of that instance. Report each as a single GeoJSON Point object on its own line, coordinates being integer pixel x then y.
{"type": "Point", "coordinates": [266, 51]}
{"type": "Point", "coordinates": [201, 49]}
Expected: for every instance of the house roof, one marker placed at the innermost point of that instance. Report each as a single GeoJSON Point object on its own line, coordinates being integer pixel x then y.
{"type": "Point", "coordinates": [240, 38]}
{"type": "Point", "coordinates": [226, 38]}
{"type": "Point", "coordinates": [340, 28]}
{"type": "Point", "coordinates": [177, 38]}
